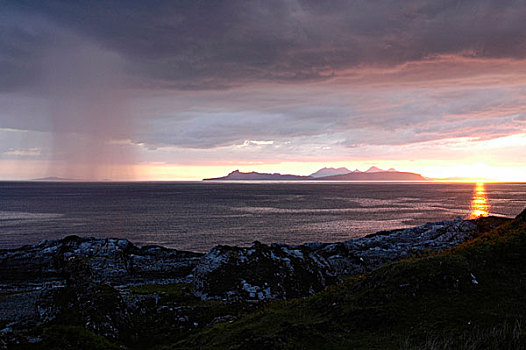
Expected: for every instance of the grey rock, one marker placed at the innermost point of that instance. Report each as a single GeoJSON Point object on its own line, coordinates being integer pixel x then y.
{"type": "Point", "coordinates": [261, 272]}
{"type": "Point", "coordinates": [110, 260]}
{"type": "Point", "coordinates": [33, 276]}
{"type": "Point", "coordinates": [368, 253]}
{"type": "Point", "coordinates": [522, 216]}
{"type": "Point", "coordinates": [280, 271]}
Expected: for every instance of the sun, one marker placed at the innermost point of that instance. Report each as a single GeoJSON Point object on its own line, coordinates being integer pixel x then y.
{"type": "Point", "coordinates": [480, 172]}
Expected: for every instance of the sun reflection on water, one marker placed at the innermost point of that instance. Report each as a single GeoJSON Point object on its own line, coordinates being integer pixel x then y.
{"type": "Point", "coordinates": [479, 203]}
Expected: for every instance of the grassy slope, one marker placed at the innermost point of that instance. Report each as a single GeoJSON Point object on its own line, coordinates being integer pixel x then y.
{"type": "Point", "coordinates": [432, 302]}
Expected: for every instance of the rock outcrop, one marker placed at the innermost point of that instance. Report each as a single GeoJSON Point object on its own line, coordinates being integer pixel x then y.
{"type": "Point", "coordinates": [280, 271]}
{"type": "Point", "coordinates": [522, 216]}
{"type": "Point", "coordinates": [261, 272]}
{"type": "Point", "coordinates": [34, 278]}
{"type": "Point", "coordinates": [82, 300]}
{"type": "Point", "coordinates": [110, 260]}
{"type": "Point", "coordinates": [370, 252]}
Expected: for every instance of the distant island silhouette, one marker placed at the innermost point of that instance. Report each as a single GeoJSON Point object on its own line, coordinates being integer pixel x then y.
{"type": "Point", "coordinates": [329, 174]}
{"type": "Point", "coordinates": [53, 178]}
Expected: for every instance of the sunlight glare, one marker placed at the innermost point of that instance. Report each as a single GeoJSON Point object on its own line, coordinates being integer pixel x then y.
{"type": "Point", "coordinates": [479, 203]}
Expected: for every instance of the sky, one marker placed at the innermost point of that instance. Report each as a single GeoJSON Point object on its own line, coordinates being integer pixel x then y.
{"type": "Point", "coordinates": [183, 90]}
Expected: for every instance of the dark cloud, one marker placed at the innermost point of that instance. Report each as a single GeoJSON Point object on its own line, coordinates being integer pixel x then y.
{"type": "Point", "coordinates": [214, 44]}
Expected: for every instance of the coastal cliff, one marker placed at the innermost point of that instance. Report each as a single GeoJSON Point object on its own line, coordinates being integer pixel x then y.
{"type": "Point", "coordinates": [116, 290]}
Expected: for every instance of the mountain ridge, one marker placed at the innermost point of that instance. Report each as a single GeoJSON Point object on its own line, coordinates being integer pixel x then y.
{"type": "Point", "coordinates": [330, 174]}
{"type": "Point", "coordinates": [53, 179]}
{"type": "Point", "coordinates": [376, 176]}
{"type": "Point", "coordinates": [237, 175]}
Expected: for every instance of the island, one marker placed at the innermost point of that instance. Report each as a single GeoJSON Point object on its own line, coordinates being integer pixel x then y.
{"type": "Point", "coordinates": [325, 174]}
{"type": "Point", "coordinates": [236, 175]}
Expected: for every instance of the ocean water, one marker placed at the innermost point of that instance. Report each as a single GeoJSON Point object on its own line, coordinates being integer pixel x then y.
{"type": "Point", "coordinates": [198, 215]}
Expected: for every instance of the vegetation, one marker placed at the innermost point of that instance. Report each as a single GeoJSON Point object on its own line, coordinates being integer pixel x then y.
{"type": "Point", "coordinates": [164, 326]}
{"type": "Point", "coordinates": [64, 337]}
{"type": "Point", "coordinates": [177, 292]}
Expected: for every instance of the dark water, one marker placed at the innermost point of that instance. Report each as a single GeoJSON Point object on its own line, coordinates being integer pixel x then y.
{"type": "Point", "coordinates": [197, 216]}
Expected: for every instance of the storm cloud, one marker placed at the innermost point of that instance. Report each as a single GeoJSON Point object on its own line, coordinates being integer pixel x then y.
{"type": "Point", "coordinates": [213, 44]}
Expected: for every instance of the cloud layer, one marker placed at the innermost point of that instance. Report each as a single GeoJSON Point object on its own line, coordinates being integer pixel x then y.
{"type": "Point", "coordinates": [199, 82]}
{"type": "Point", "coordinates": [211, 44]}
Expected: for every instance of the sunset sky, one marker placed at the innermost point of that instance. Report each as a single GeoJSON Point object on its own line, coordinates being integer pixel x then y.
{"type": "Point", "coordinates": [182, 90]}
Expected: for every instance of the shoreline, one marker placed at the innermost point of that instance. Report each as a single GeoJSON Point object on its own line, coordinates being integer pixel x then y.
{"type": "Point", "coordinates": [119, 261]}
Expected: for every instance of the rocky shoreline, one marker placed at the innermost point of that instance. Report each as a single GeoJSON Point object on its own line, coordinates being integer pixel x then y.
{"type": "Point", "coordinates": [97, 280]}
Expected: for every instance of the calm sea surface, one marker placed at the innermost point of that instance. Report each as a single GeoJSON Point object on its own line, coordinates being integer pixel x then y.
{"type": "Point", "coordinates": [196, 216]}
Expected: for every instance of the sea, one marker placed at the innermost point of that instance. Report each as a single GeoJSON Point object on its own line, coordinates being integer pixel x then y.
{"type": "Point", "coordinates": [199, 215]}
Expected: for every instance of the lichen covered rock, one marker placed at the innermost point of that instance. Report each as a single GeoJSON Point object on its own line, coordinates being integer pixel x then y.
{"type": "Point", "coordinates": [261, 272]}
{"type": "Point", "coordinates": [281, 271]}
{"type": "Point", "coordinates": [109, 259]}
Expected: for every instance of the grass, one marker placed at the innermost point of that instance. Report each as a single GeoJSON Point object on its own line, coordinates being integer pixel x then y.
{"type": "Point", "coordinates": [502, 336]}
{"type": "Point", "coordinates": [63, 337]}
{"type": "Point", "coordinates": [176, 292]}
{"type": "Point", "coordinates": [163, 327]}
{"type": "Point", "coordinates": [5, 295]}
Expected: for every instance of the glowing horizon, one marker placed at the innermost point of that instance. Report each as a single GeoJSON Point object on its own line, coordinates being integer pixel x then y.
{"type": "Point", "coordinates": [478, 172]}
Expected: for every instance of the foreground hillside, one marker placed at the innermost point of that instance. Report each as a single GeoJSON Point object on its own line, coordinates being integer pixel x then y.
{"type": "Point", "coordinates": [471, 296]}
